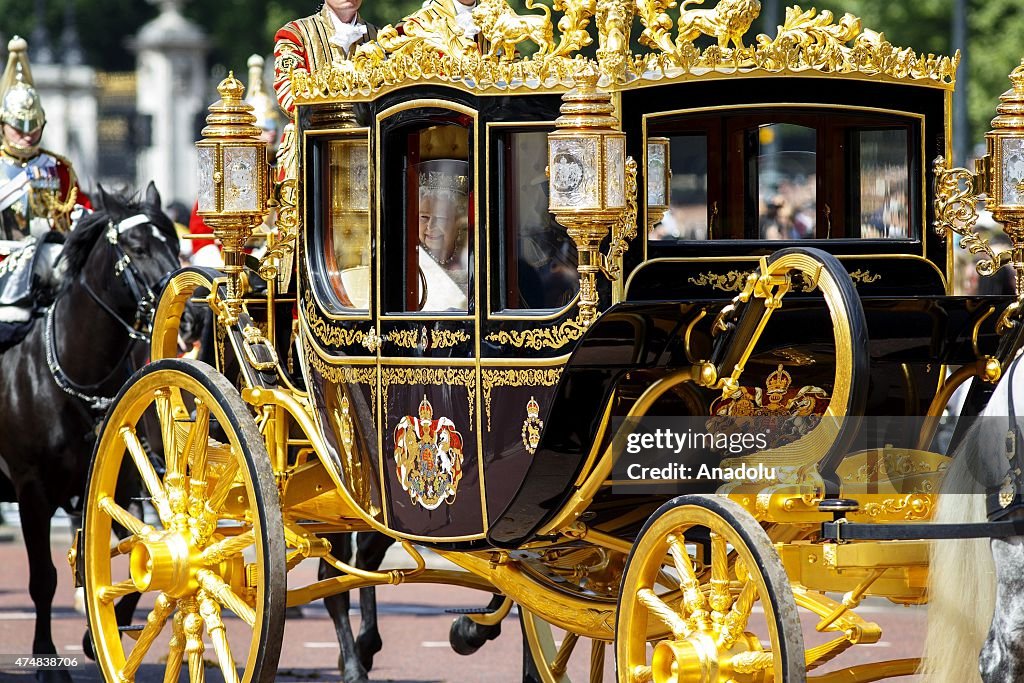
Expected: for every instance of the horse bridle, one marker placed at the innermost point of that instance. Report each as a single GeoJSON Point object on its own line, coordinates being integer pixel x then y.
{"type": "Point", "coordinates": [139, 330]}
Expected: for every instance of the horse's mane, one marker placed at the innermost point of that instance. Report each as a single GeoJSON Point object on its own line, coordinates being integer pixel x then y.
{"type": "Point", "coordinates": [91, 227]}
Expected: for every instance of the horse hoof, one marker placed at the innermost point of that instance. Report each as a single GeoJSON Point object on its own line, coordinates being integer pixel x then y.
{"type": "Point", "coordinates": [366, 647]}
{"type": "Point", "coordinates": [466, 636]}
{"type": "Point", "coordinates": [87, 646]}
{"type": "Point", "coordinates": [353, 673]}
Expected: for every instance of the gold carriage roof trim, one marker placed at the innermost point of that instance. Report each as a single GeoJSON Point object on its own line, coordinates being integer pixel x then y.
{"type": "Point", "coordinates": [431, 46]}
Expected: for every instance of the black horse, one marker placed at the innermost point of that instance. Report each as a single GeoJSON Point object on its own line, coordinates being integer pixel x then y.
{"type": "Point", "coordinates": [55, 384]}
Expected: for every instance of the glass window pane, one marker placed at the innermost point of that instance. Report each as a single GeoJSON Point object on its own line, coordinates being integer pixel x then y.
{"type": "Point", "coordinates": [347, 222]}
{"type": "Point", "coordinates": [786, 181]}
{"type": "Point", "coordinates": [687, 217]}
{"type": "Point", "coordinates": [884, 184]}
{"type": "Point", "coordinates": [539, 258]}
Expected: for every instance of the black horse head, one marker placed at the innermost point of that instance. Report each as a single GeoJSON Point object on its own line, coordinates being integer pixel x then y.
{"type": "Point", "coordinates": [123, 254]}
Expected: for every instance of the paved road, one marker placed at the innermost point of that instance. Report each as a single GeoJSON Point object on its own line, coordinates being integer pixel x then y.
{"type": "Point", "coordinates": [414, 629]}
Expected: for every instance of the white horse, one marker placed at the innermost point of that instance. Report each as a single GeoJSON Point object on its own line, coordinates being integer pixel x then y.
{"type": "Point", "coordinates": [976, 586]}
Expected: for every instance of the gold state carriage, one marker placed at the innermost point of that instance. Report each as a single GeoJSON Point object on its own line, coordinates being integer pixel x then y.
{"type": "Point", "coordinates": [740, 229]}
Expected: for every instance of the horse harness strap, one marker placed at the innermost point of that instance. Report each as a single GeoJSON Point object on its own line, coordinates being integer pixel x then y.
{"type": "Point", "coordinates": [1010, 494]}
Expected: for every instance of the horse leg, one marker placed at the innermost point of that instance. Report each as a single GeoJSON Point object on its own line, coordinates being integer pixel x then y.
{"type": "Point", "coordinates": [351, 668]}
{"type": "Point", "coordinates": [466, 636]}
{"type": "Point", "coordinates": [42, 584]}
{"type": "Point", "coordinates": [371, 547]}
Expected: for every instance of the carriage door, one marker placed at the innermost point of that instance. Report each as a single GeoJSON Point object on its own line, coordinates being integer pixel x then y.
{"type": "Point", "coordinates": [428, 301]}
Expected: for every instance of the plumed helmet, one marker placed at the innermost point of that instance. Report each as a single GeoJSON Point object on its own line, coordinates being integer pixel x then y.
{"type": "Point", "coordinates": [268, 115]}
{"type": "Point", "coordinates": [20, 106]}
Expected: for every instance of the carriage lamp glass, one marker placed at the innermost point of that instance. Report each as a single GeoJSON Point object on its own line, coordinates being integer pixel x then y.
{"type": "Point", "coordinates": [658, 178]}
{"type": "Point", "coordinates": [587, 154]}
{"type": "Point", "coordinates": [233, 174]}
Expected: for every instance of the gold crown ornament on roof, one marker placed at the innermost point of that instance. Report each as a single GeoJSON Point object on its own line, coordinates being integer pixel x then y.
{"type": "Point", "coordinates": [427, 48]}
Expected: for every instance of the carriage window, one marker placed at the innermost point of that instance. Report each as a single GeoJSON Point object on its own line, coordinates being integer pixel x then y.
{"type": "Point", "coordinates": [786, 178]}
{"type": "Point", "coordinates": [687, 216]}
{"type": "Point", "coordinates": [428, 209]}
{"type": "Point", "coordinates": [538, 257]}
{"type": "Point", "coordinates": [346, 221]}
{"type": "Point", "coordinates": [884, 183]}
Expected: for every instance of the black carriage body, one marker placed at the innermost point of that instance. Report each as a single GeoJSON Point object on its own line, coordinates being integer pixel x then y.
{"type": "Point", "coordinates": [379, 371]}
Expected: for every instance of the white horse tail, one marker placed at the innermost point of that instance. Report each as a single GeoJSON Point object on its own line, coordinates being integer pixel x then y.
{"type": "Point", "coordinates": [961, 580]}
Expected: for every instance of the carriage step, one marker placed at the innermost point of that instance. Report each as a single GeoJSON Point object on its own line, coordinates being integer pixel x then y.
{"type": "Point", "coordinates": [468, 610]}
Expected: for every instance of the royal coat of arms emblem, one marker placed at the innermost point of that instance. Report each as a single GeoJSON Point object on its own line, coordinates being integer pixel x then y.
{"type": "Point", "coordinates": [428, 457]}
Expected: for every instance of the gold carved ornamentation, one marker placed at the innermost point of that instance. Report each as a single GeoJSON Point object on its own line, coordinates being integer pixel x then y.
{"type": "Point", "coordinates": [504, 29]}
{"type": "Point", "coordinates": [532, 426]}
{"type": "Point", "coordinates": [432, 47]}
{"type": "Point", "coordinates": [276, 262]}
{"type": "Point", "coordinates": [914, 506]}
{"type": "Point", "coordinates": [346, 374]}
{"type": "Point", "coordinates": [956, 211]}
{"type": "Point", "coordinates": [428, 457]}
{"type": "Point", "coordinates": [439, 339]}
{"type": "Point", "coordinates": [328, 333]}
{"type": "Point", "coordinates": [735, 280]}
{"type": "Point", "coordinates": [541, 338]}
{"type": "Point", "coordinates": [517, 377]}
{"type": "Point", "coordinates": [465, 377]}
{"type": "Point", "coordinates": [623, 229]}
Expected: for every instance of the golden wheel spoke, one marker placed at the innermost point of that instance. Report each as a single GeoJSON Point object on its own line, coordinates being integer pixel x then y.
{"type": "Point", "coordinates": [735, 622]}
{"type": "Point", "coordinates": [664, 612]}
{"type": "Point", "coordinates": [123, 517]}
{"type": "Point", "coordinates": [165, 415]}
{"type": "Point", "coordinates": [597, 661]}
{"type": "Point", "coordinates": [124, 546]}
{"type": "Point", "coordinates": [694, 600]}
{"type": "Point", "coordinates": [561, 660]}
{"type": "Point", "coordinates": [194, 647]}
{"type": "Point", "coordinates": [198, 442]}
{"type": "Point", "coordinates": [210, 611]}
{"type": "Point", "coordinates": [228, 547]}
{"type": "Point", "coordinates": [220, 492]}
{"type": "Point", "coordinates": [641, 674]}
{"type": "Point", "coordinates": [148, 473]}
{"type": "Point", "coordinates": [720, 598]}
{"type": "Point", "coordinates": [110, 593]}
{"type": "Point", "coordinates": [225, 596]}
{"type": "Point", "coordinates": [176, 648]}
{"type": "Point", "coordinates": [154, 625]}
{"type": "Point", "coordinates": [752, 662]}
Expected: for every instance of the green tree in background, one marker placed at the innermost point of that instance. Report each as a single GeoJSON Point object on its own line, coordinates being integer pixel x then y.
{"type": "Point", "coordinates": [238, 28]}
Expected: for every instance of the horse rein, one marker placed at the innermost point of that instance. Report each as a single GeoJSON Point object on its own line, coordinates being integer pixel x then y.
{"type": "Point", "coordinates": [141, 330]}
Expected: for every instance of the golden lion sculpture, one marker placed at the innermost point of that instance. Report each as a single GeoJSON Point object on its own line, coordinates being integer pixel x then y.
{"type": "Point", "coordinates": [728, 21]}
{"type": "Point", "coordinates": [505, 29]}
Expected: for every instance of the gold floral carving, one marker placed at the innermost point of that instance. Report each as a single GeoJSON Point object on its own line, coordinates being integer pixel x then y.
{"type": "Point", "coordinates": [541, 338]}
{"type": "Point", "coordinates": [518, 377]}
{"type": "Point", "coordinates": [432, 47]}
{"type": "Point", "coordinates": [466, 377]}
{"type": "Point", "coordinates": [274, 262]}
{"type": "Point", "coordinates": [328, 333]}
{"type": "Point", "coordinates": [735, 280]}
{"type": "Point", "coordinates": [439, 339]}
{"type": "Point", "coordinates": [346, 374]}
{"type": "Point", "coordinates": [914, 506]}
{"type": "Point", "coordinates": [956, 211]}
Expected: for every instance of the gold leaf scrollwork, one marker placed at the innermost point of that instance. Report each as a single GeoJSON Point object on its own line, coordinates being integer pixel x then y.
{"type": "Point", "coordinates": [445, 339]}
{"type": "Point", "coordinates": [465, 377]}
{"type": "Point", "coordinates": [346, 374]}
{"type": "Point", "coordinates": [439, 339]}
{"type": "Point", "coordinates": [914, 506]}
{"type": "Point", "coordinates": [541, 338]}
{"type": "Point", "coordinates": [864, 276]}
{"type": "Point", "coordinates": [624, 229]}
{"type": "Point", "coordinates": [406, 339]}
{"type": "Point", "coordinates": [287, 223]}
{"type": "Point", "coordinates": [956, 211]}
{"type": "Point", "coordinates": [518, 377]}
{"type": "Point", "coordinates": [325, 332]}
{"type": "Point", "coordinates": [733, 281]}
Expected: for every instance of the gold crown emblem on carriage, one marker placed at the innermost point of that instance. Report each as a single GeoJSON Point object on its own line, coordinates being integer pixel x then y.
{"type": "Point", "coordinates": [426, 411]}
{"type": "Point", "coordinates": [779, 381]}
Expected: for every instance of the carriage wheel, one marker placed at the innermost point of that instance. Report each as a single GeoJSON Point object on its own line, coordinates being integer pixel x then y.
{"type": "Point", "coordinates": [552, 652]}
{"type": "Point", "coordinates": [716, 554]}
{"type": "Point", "coordinates": [218, 549]}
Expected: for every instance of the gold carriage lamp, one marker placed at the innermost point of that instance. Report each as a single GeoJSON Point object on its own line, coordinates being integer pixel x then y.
{"type": "Point", "coordinates": [587, 177]}
{"type": "Point", "coordinates": [659, 179]}
{"type": "Point", "coordinates": [234, 178]}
